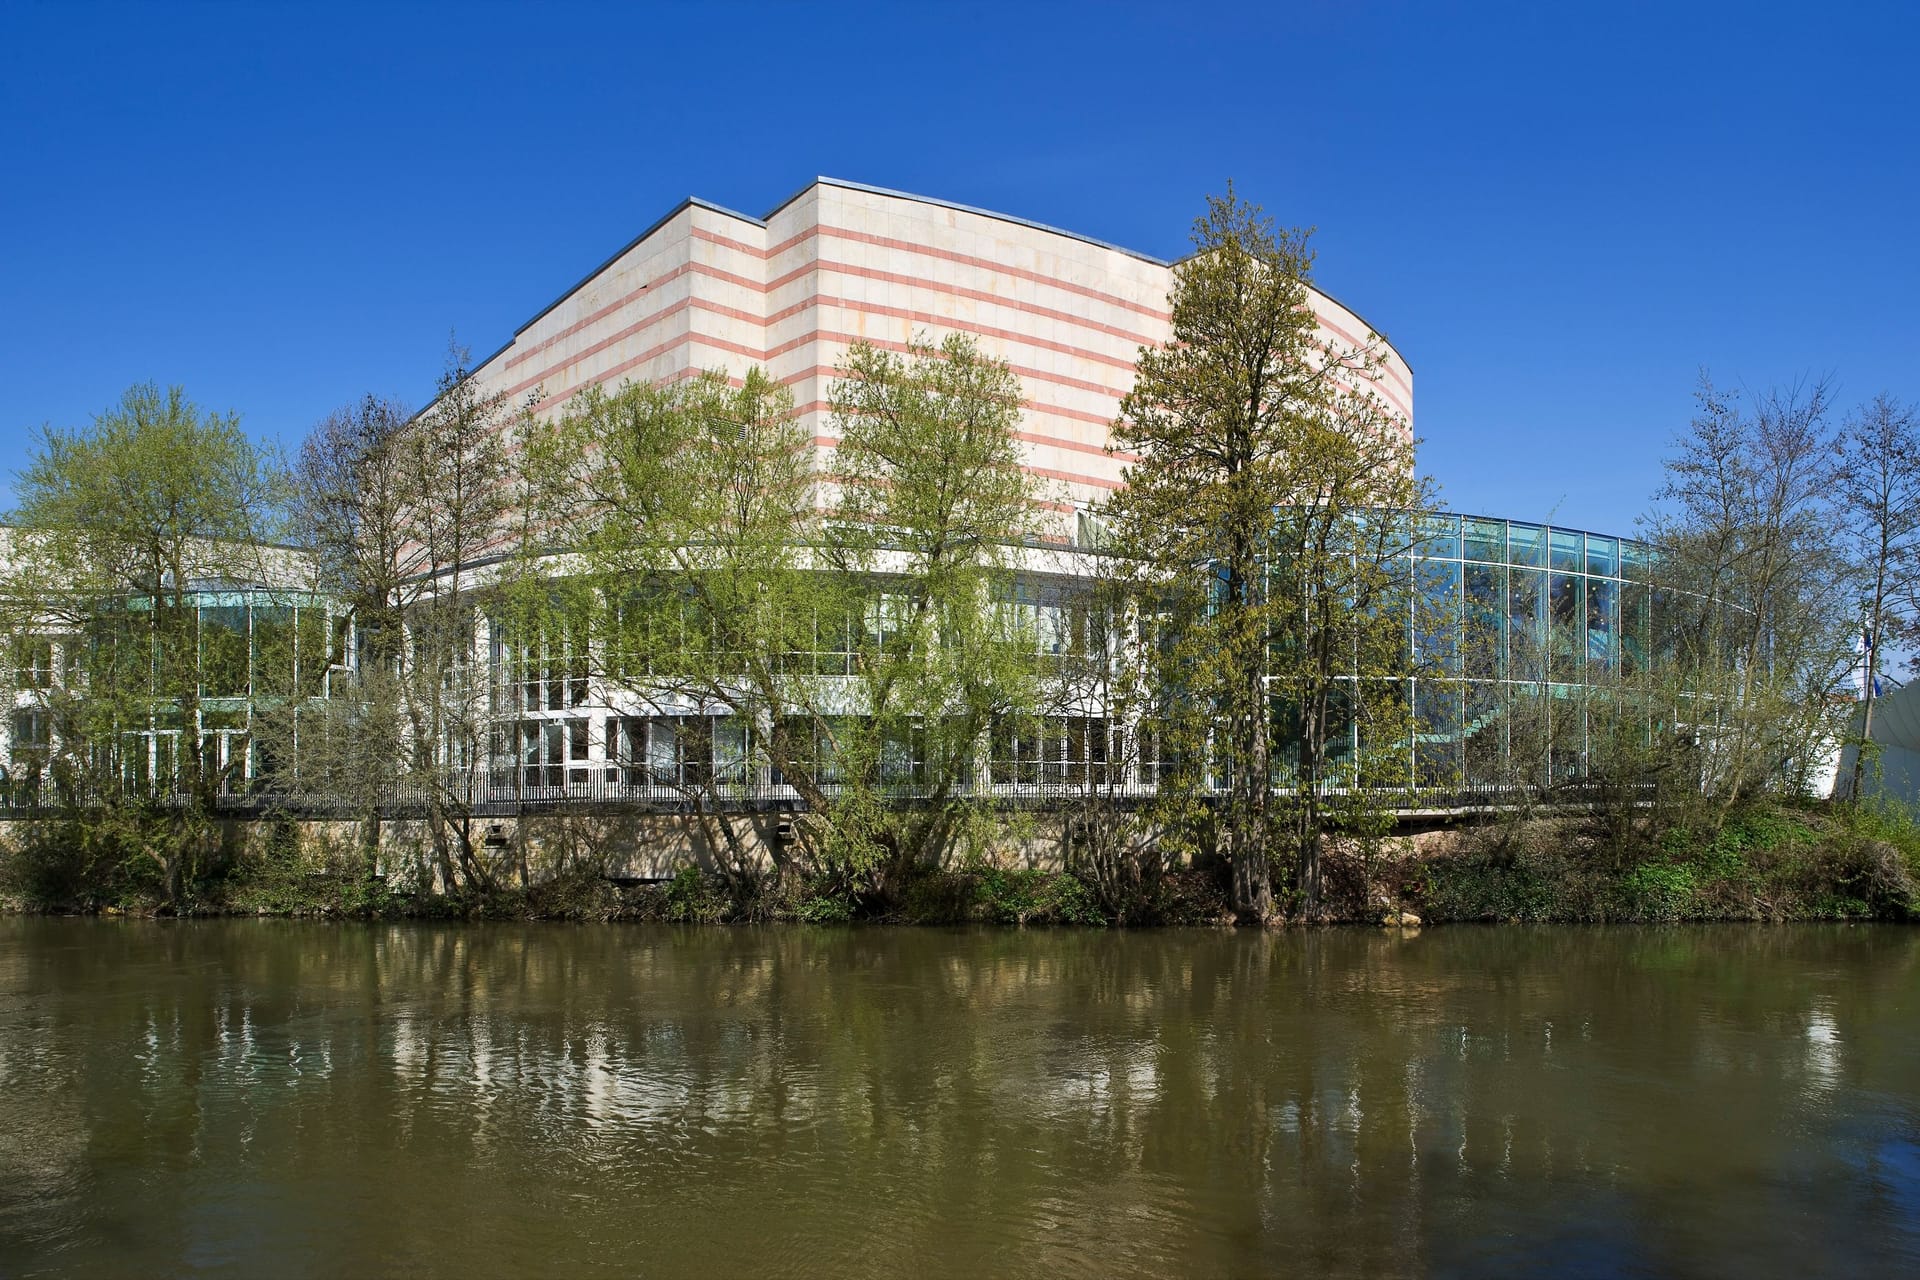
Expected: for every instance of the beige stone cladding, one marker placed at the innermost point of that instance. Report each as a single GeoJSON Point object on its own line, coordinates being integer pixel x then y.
{"type": "Point", "coordinates": [709, 288]}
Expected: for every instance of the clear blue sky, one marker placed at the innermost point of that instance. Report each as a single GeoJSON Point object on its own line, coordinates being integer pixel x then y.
{"type": "Point", "coordinates": [1560, 217]}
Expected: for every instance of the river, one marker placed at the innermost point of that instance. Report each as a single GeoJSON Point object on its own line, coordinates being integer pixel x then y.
{"type": "Point", "coordinates": [252, 1098]}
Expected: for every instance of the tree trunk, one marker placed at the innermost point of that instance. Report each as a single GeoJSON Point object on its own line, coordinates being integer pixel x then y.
{"type": "Point", "coordinates": [442, 854]}
{"type": "Point", "coordinates": [1873, 665]}
{"type": "Point", "coordinates": [1252, 872]}
{"type": "Point", "coordinates": [1252, 883]}
{"type": "Point", "coordinates": [370, 843]}
{"type": "Point", "coordinates": [1309, 882]}
{"type": "Point", "coordinates": [1866, 737]}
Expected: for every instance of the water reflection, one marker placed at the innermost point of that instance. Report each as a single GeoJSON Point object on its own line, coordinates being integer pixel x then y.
{"type": "Point", "coordinates": [247, 1097]}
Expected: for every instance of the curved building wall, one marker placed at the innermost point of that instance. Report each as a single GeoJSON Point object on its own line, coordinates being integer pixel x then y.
{"type": "Point", "coordinates": [708, 288]}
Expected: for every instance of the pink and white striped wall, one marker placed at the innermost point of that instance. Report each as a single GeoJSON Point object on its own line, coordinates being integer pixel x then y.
{"type": "Point", "coordinates": [708, 288]}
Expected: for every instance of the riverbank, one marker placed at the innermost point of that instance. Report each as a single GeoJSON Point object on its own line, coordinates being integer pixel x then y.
{"type": "Point", "coordinates": [1770, 862]}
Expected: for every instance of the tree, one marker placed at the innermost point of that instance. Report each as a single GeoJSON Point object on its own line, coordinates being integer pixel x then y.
{"type": "Point", "coordinates": [460, 521]}
{"type": "Point", "coordinates": [1876, 489]}
{"type": "Point", "coordinates": [933, 506]}
{"type": "Point", "coordinates": [1261, 439]}
{"type": "Point", "coordinates": [1099, 742]}
{"type": "Point", "coordinates": [355, 500]}
{"type": "Point", "coordinates": [687, 518]}
{"type": "Point", "coordinates": [119, 526]}
{"type": "Point", "coordinates": [1749, 612]}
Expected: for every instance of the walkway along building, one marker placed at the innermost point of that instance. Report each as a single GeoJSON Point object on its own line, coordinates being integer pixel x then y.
{"type": "Point", "coordinates": [709, 288]}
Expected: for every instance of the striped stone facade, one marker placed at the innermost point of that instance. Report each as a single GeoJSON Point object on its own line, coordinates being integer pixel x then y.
{"type": "Point", "coordinates": [709, 288]}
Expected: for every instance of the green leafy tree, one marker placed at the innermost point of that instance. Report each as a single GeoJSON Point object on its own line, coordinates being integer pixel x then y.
{"type": "Point", "coordinates": [933, 508]}
{"type": "Point", "coordinates": [1268, 518]}
{"type": "Point", "coordinates": [687, 519]}
{"type": "Point", "coordinates": [117, 528]}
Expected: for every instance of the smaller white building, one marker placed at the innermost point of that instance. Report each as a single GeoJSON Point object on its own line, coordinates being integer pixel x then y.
{"type": "Point", "coordinates": [1894, 770]}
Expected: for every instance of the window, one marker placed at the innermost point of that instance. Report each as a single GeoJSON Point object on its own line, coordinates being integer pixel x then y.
{"type": "Point", "coordinates": [29, 734]}
{"type": "Point", "coordinates": [812, 750]}
{"type": "Point", "coordinates": [33, 662]}
{"type": "Point", "coordinates": [540, 667]}
{"type": "Point", "coordinates": [1526, 624]}
{"type": "Point", "coordinates": [903, 754]}
{"type": "Point", "coordinates": [1527, 544]}
{"type": "Point", "coordinates": [224, 651]}
{"type": "Point", "coordinates": [1055, 624]}
{"type": "Point", "coordinates": [578, 751]}
{"type": "Point", "coordinates": [1567, 604]}
{"type": "Point", "coordinates": [1485, 588]}
{"type": "Point", "coordinates": [683, 751]}
{"type": "Point", "coordinates": [1439, 538]}
{"type": "Point", "coordinates": [544, 753]}
{"type": "Point", "coordinates": [888, 616]}
{"type": "Point", "coordinates": [1601, 557]}
{"type": "Point", "coordinates": [1601, 606]}
{"type": "Point", "coordinates": [1051, 750]}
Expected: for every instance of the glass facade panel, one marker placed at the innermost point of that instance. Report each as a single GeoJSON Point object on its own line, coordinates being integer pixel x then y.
{"type": "Point", "coordinates": [1436, 618]}
{"type": "Point", "coordinates": [1527, 710]}
{"type": "Point", "coordinates": [1602, 623]}
{"type": "Point", "coordinates": [1482, 613]}
{"type": "Point", "coordinates": [1602, 556]}
{"type": "Point", "coordinates": [1437, 733]}
{"type": "Point", "coordinates": [1567, 733]}
{"type": "Point", "coordinates": [1568, 554]}
{"type": "Point", "coordinates": [1439, 539]}
{"type": "Point", "coordinates": [223, 651]}
{"type": "Point", "coordinates": [1636, 617]}
{"type": "Point", "coordinates": [1485, 540]}
{"type": "Point", "coordinates": [1526, 624]}
{"type": "Point", "coordinates": [1527, 544]}
{"type": "Point", "coordinates": [1382, 718]}
{"type": "Point", "coordinates": [1340, 730]}
{"type": "Point", "coordinates": [273, 650]}
{"type": "Point", "coordinates": [313, 650]}
{"type": "Point", "coordinates": [1568, 608]}
{"type": "Point", "coordinates": [1483, 735]}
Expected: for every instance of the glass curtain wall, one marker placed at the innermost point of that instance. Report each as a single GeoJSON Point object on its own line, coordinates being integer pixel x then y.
{"type": "Point", "coordinates": [1521, 625]}
{"type": "Point", "coordinates": [252, 652]}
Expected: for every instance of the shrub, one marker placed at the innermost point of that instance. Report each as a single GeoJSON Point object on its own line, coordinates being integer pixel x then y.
{"type": "Point", "coordinates": [1658, 891]}
{"type": "Point", "coordinates": [694, 898]}
{"type": "Point", "coordinates": [1034, 897]}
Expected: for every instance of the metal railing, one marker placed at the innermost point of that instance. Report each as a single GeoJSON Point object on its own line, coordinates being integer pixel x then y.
{"type": "Point", "coordinates": [484, 793]}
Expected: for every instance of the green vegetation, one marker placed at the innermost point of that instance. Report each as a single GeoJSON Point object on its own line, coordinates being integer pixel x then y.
{"type": "Point", "coordinates": [1769, 861]}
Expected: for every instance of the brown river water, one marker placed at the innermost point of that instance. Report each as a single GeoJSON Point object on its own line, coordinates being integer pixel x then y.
{"type": "Point", "coordinates": [270, 1098]}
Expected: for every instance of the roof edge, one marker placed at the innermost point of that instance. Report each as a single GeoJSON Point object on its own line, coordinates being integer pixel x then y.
{"type": "Point", "coordinates": [847, 185]}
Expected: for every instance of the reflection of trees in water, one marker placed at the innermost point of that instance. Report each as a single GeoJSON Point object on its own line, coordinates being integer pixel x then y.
{"type": "Point", "coordinates": [879, 1098]}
